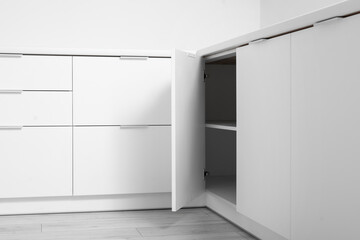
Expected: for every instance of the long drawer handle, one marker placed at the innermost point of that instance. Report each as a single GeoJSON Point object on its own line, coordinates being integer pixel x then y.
{"type": "Point", "coordinates": [333, 19]}
{"type": "Point", "coordinates": [258, 41]}
{"type": "Point", "coordinates": [134, 126]}
{"type": "Point", "coordinates": [10, 55]}
{"type": "Point", "coordinates": [133, 58]}
{"type": "Point", "coordinates": [11, 127]}
{"type": "Point", "coordinates": [11, 91]}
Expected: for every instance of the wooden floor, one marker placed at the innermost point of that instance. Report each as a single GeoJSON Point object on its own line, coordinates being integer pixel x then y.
{"type": "Point", "coordinates": [187, 224]}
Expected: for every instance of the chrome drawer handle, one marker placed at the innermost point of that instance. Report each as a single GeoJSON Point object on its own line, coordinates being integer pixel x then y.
{"type": "Point", "coordinates": [133, 58]}
{"type": "Point", "coordinates": [10, 55]}
{"type": "Point", "coordinates": [11, 127]}
{"type": "Point", "coordinates": [134, 126]}
{"type": "Point", "coordinates": [258, 41]}
{"type": "Point", "coordinates": [11, 91]}
{"type": "Point", "coordinates": [333, 19]}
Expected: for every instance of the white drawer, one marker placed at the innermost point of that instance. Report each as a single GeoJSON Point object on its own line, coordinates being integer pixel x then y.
{"type": "Point", "coordinates": [35, 108]}
{"type": "Point", "coordinates": [35, 72]}
{"type": "Point", "coordinates": [114, 160]}
{"type": "Point", "coordinates": [35, 162]}
{"type": "Point", "coordinates": [114, 91]}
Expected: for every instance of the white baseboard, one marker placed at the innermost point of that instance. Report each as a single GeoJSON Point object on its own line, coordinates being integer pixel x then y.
{"type": "Point", "coordinates": [228, 211]}
{"type": "Point", "coordinates": [90, 203]}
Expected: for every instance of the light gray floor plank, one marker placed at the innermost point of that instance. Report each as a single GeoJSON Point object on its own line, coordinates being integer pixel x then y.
{"type": "Point", "coordinates": [211, 236]}
{"type": "Point", "coordinates": [99, 234]}
{"type": "Point", "coordinates": [188, 230]}
{"type": "Point", "coordinates": [186, 224]}
{"type": "Point", "coordinates": [148, 214]}
{"type": "Point", "coordinates": [19, 228]}
{"type": "Point", "coordinates": [170, 220]}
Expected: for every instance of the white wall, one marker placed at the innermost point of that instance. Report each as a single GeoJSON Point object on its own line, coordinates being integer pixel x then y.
{"type": "Point", "coordinates": [124, 24]}
{"type": "Point", "coordinates": [274, 11]}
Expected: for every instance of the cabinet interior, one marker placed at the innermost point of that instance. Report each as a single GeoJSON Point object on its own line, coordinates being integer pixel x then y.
{"type": "Point", "coordinates": [220, 134]}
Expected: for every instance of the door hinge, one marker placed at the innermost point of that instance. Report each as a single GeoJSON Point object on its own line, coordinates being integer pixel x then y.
{"type": "Point", "coordinates": [206, 173]}
{"type": "Point", "coordinates": [205, 76]}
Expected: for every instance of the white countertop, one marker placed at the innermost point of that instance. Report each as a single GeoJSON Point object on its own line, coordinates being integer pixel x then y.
{"type": "Point", "coordinates": [341, 9]}
{"type": "Point", "coordinates": [87, 52]}
{"type": "Point", "coordinates": [307, 20]}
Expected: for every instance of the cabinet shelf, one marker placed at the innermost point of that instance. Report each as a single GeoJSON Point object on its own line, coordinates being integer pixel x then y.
{"type": "Point", "coordinates": [224, 125]}
{"type": "Point", "coordinates": [223, 186]}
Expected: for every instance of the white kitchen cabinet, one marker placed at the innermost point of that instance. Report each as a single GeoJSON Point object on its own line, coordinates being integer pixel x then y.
{"type": "Point", "coordinates": [35, 108]}
{"type": "Point", "coordinates": [35, 162]}
{"type": "Point", "coordinates": [263, 133]}
{"type": "Point", "coordinates": [122, 90]}
{"type": "Point", "coordinates": [122, 160]}
{"type": "Point", "coordinates": [293, 129]}
{"type": "Point", "coordinates": [32, 72]}
{"type": "Point", "coordinates": [325, 131]}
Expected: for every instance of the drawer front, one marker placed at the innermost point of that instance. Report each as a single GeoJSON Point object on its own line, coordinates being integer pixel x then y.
{"type": "Point", "coordinates": [35, 108]}
{"type": "Point", "coordinates": [114, 160]}
{"type": "Point", "coordinates": [35, 72]}
{"type": "Point", "coordinates": [35, 162]}
{"type": "Point", "coordinates": [112, 91]}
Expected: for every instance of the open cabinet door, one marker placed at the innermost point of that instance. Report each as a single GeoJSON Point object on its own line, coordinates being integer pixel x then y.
{"type": "Point", "coordinates": [188, 128]}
